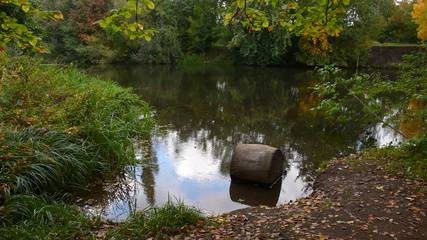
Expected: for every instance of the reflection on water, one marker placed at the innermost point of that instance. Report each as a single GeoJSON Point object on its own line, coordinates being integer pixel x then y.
{"type": "Point", "coordinates": [202, 115]}
{"type": "Point", "coordinates": [255, 195]}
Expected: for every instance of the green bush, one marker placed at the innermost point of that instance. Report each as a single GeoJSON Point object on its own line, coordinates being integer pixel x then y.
{"type": "Point", "coordinates": [262, 48]}
{"type": "Point", "coordinates": [60, 127]}
{"type": "Point", "coordinates": [164, 48]}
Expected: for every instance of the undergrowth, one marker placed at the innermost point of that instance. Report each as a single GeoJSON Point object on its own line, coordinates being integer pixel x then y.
{"type": "Point", "coordinates": [399, 104]}
{"type": "Point", "coordinates": [409, 160]}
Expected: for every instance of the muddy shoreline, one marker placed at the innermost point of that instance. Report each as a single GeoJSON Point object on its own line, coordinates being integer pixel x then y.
{"type": "Point", "coordinates": [352, 199]}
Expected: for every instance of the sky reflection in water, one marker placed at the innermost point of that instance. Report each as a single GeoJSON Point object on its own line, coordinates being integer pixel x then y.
{"type": "Point", "coordinates": [203, 115]}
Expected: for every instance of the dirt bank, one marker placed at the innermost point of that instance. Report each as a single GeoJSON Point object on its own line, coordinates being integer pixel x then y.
{"type": "Point", "coordinates": [352, 199]}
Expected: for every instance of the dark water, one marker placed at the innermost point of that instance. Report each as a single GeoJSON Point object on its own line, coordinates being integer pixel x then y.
{"type": "Point", "coordinates": [202, 115]}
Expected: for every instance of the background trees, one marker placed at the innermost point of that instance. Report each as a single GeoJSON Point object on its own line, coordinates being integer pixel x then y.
{"type": "Point", "coordinates": [420, 17]}
{"type": "Point", "coordinates": [399, 26]}
{"type": "Point", "coordinates": [257, 32]}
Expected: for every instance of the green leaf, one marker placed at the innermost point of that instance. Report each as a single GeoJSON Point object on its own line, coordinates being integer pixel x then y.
{"type": "Point", "coordinates": [25, 7]}
{"type": "Point", "coordinates": [150, 4]}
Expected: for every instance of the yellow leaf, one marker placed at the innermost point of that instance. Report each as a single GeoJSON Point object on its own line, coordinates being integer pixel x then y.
{"type": "Point", "coordinates": [25, 7]}
{"type": "Point", "coordinates": [58, 16]}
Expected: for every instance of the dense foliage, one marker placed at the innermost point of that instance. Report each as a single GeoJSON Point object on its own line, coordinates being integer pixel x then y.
{"type": "Point", "coordinates": [17, 24]}
{"type": "Point", "coordinates": [372, 98]}
{"type": "Point", "coordinates": [256, 32]}
{"type": "Point", "coordinates": [420, 17]}
{"type": "Point", "coordinates": [399, 26]}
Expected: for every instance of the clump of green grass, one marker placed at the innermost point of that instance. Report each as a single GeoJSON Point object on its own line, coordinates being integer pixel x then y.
{"type": "Point", "coordinates": [34, 217]}
{"type": "Point", "coordinates": [40, 160]}
{"type": "Point", "coordinates": [60, 126]}
{"type": "Point", "coordinates": [38, 217]}
{"type": "Point", "coordinates": [168, 220]}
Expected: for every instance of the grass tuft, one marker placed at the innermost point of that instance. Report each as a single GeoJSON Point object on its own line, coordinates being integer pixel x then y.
{"type": "Point", "coordinates": [35, 217]}
{"type": "Point", "coordinates": [168, 220]}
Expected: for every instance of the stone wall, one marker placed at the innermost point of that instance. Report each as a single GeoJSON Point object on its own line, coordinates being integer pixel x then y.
{"type": "Point", "coordinates": [388, 56]}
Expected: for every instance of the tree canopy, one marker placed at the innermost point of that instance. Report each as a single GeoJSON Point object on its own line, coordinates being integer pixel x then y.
{"type": "Point", "coordinates": [15, 24]}
{"type": "Point", "coordinates": [313, 21]}
{"type": "Point", "coordinates": [120, 19]}
{"type": "Point", "coordinates": [259, 32]}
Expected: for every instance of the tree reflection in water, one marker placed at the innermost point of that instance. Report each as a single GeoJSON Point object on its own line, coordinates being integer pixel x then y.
{"type": "Point", "coordinates": [203, 114]}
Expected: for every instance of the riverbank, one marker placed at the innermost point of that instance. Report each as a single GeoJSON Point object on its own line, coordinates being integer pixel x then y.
{"type": "Point", "coordinates": [60, 130]}
{"type": "Point", "coordinates": [357, 197]}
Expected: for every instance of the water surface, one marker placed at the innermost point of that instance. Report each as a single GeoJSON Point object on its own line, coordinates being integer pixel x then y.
{"type": "Point", "coordinates": [202, 114]}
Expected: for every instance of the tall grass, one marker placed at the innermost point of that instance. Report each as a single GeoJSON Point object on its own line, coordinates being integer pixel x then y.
{"type": "Point", "coordinates": [37, 160]}
{"type": "Point", "coordinates": [29, 217]}
{"type": "Point", "coordinates": [155, 222]}
{"type": "Point", "coordinates": [59, 127]}
{"type": "Point", "coordinates": [408, 160]}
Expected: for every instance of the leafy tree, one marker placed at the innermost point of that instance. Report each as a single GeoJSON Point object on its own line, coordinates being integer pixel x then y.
{"type": "Point", "coordinates": [420, 17]}
{"type": "Point", "coordinates": [165, 47]}
{"type": "Point", "coordinates": [400, 27]}
{"type": "Point", "coordinates": [372, 98]}
{"type": "Point", "coordinates": [261, 48]}
{"type": "Point", "coordinates": [79, 37]}
{"type": "Point", "coordinates": [364, 22]}
{"type": "Point", "coordinates": [120, 20]}
{"type": "Point", "coordinates": [16, 24]}
{"type": "Point", "coordinates": [265, 47]}
{"type": "Point", "coordinates": [314, 22]}
{"type": "Point", "coordinates": [202, 31]}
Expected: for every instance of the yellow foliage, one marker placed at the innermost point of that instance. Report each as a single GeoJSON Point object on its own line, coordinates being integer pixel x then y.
{"type": "Point", "coordinates": [315, 40]}
{"type": "Point", "coordinates": [420, 17]}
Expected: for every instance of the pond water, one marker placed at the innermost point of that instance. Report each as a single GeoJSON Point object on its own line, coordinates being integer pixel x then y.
{"type": "Point", "coordinates": [202, 114]}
